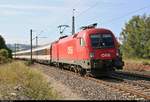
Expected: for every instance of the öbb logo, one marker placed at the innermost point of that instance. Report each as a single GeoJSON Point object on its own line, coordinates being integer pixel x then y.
{"type": "Point", "coordinates": [70, 50]}
{"type": "Point", "coordinates": [105, 55]}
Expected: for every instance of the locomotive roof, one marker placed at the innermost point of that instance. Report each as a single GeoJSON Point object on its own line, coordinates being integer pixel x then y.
{"type": "Point", "coordinates": [87, 31]}
{"type": "Point", "coordinates": [96, 29]}
{"type": "Point", "coordinates": [93, 30]}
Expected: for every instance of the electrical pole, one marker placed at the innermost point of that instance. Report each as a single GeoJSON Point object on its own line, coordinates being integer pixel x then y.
{"type": "Point", "coordinates": [31, 44]}
{"type": "Point", "coordinates": [36, 44]}
{"type": "Point", "coordinates": [73, 23]}
{"type": "Point", "coordinates": [36, 41]}
{"type": "Point", "coordinates": [15, 50]}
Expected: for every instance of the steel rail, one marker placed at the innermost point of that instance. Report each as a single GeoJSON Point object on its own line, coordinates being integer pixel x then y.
{"type": "Point", "coordinates": [123, 88]}
{"type": "Point", "coordinates": [134, 75]}
{"type": "Point", "coordinates": [120, 77]}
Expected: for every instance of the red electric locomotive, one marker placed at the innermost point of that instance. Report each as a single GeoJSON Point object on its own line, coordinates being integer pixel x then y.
{"type": "Point", "coordinates": [93, 50]}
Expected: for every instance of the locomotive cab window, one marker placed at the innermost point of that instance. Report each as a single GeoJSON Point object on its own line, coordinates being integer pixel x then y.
{"type": "Point", "coordinates": [102, 41]}
{"type": "Point", "coordinates": [82, 42]}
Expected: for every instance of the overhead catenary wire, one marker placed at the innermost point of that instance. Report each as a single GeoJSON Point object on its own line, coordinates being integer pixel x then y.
{"type": "Point", "coordinates": [74, 7]}
{"type": "Point", "coordinates": [65, 22]}
{"type": "Point", "coordinates": [93, 6]}
{"type": "Point", "coordinates": [120, 17]}
{"type": "Point", "coordinates": [84, 11]}
{"type": "Point", "coordinates": [78, 2]}
{"type": "Point", "coordinates": [97, 3]}
{"type": "Point", "coordinates": [114, 19]}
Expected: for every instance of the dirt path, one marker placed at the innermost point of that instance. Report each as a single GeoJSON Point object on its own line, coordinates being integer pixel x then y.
{"type": "Point", "coordinates": [63, 90]}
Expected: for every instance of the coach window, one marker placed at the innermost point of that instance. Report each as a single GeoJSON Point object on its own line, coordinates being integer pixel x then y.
{"type": "Point", "coordinates": [82, 42]}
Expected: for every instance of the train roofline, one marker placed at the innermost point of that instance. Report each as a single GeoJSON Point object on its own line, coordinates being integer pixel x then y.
{"type": "Point", "coordinates": [34, 49]}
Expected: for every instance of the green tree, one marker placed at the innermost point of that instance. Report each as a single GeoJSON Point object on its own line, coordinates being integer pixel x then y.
{"type": "Point", "coordinates": [2, 43]}
{"type": "Point", "coordinates": [3, 46]}
{"type": "Point", "coordinates": [136, 37]}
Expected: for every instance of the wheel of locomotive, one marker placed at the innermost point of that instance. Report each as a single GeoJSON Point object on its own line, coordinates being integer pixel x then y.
{"type": "Point", "coordinates": [57, 65]}
{"type": "Point", "coordinates": [112, 69]}
{"type": "Point", "coordinates": [75, 70]}
{"type": "Point", "coordinates": [78, 70]}
{"type": "Point", "coordinates": [83, 72]}
{"type": "Point", "coordinates": [61, 66]}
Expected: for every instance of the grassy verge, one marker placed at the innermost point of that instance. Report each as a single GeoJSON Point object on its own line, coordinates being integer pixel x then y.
{"type": "Point", "coordinates": [136, 64]}
{"type": "Point", "coordinates": [17, 81]}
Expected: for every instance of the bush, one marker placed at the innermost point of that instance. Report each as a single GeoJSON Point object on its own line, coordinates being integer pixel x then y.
{"type": "Point", "coordinates": [29, 63]}
{"type": "Point", "coordinates": [4, 56]}
{"type": "Point", "coordinates": [146, 63]}
{"type": "Point", "coordinates": [4, 53]}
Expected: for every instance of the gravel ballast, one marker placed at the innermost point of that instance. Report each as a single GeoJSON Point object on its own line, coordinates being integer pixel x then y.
{"type": "Point", "coordinates": [72, 86]}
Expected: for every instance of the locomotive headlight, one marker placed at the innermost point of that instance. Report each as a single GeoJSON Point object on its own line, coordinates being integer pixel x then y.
{"type": "Point", "coordinates": [117, 53]}
{"type": "Point", "coordinates": [91, 55]}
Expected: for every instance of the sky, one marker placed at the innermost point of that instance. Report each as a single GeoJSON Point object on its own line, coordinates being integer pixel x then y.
{"type": "Point", "coordinates": [17, 17]}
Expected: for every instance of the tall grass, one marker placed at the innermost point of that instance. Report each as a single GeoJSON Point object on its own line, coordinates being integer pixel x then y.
{"type": "Point", "coordinates": [18, 80]}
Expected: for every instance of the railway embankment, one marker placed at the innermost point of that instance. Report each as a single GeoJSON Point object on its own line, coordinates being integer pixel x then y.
{"type": "Point", "coordinates": [39, 82]}
{"type": "Point", "coordinates": [80, 88]}
{"type": "Point", "coordinates": [19, 82]}
{"type": "Point", "coordinates": [137, 65]}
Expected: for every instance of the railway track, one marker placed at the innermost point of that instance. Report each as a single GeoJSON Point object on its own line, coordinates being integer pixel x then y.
{"type": "Point", "coordinates": [137, 87]}
{"type": "Point", "coordinates": [136, 81]}
{"type": "Point", "coordinates": [138, 90]}
{"type": "Point", "coordinates": [127, 89]}
{"type": "Point", "coordinates": [132, 75]}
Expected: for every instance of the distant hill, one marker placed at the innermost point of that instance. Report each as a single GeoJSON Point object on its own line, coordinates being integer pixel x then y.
{"type": "Point", "coordinates": [19, 47]}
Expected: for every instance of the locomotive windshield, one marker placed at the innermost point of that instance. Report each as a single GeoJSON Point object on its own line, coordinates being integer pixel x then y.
{"type": "Point", "coordinates": [102, 41]}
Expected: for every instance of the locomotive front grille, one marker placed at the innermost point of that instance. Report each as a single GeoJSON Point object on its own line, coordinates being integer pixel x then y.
{"type": "Point", "coordinates": [101, 64]}
{"type": "Point", "coordinates": [101, 67]}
